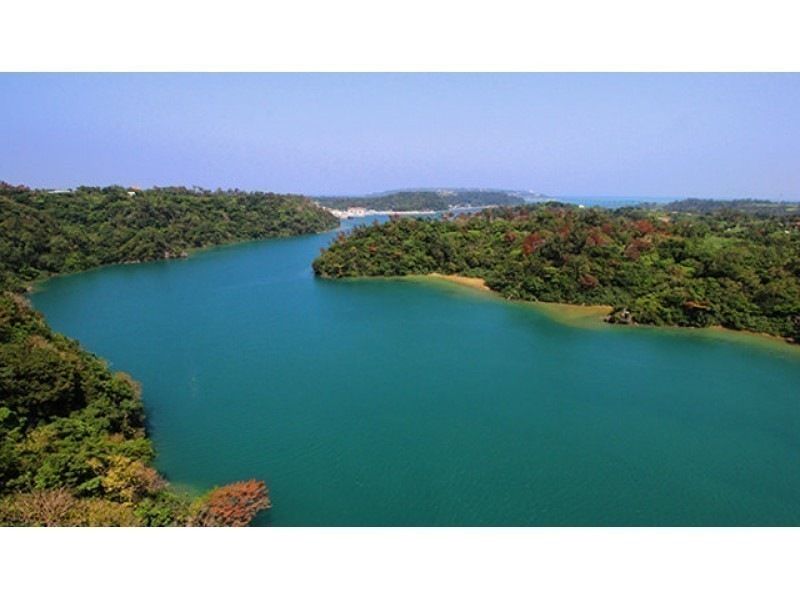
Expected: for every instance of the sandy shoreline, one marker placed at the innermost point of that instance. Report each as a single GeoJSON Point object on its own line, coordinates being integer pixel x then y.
{"type": "Point", "coordinates": [591, 316]}
{"type": "Point", "coordinates": [583, 315]}
{"type": "Point", "coordinates": [467, 281]}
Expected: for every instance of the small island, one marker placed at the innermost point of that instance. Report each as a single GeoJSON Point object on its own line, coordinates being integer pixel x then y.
{"type": "Point", "coordinates": [691, 263]}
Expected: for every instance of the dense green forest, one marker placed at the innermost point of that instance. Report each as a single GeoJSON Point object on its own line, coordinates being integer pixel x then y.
{"type": "Point", "coordinates": [654, 266]}
{"type": "Point", "coordinates": [73, 444]}
{"type": "Point", "coordinates": [414, 201]}
{"type": "Point", "coordinates": [758, 207]}
{"type": "Point", "coordinates": [44, 232]}
{"type": "Point", "coordinates": [73, 447]}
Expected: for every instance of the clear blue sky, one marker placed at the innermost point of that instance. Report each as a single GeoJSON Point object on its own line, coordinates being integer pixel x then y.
{"type": "Point", "coordinates": [597, 134]}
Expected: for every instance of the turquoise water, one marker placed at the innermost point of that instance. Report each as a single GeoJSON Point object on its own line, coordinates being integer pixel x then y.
{"type": "Point", "coordinates": [406, 403]}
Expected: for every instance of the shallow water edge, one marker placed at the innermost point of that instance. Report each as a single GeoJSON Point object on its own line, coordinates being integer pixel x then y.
{"type": "Point", "coordinates": [591, 316]}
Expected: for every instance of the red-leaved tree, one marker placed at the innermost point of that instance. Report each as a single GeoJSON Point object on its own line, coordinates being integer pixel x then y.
{"type": "Point", "coordinates": [234, 505]}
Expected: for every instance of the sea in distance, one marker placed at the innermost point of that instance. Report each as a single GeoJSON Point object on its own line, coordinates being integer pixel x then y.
{"type": "Point", "coordinates": [400, 402]}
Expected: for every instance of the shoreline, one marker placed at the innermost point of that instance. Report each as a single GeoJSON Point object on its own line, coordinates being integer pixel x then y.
{"type": "Point", "coordinates": [467, 281]}
{"type": "Point", "coordinates": [591, 316]}
{"type": "Point", "coordinates": [350, 214]}
{"type": "Point", "coordinates": [585, 316]}
{"type": "Point", "coordinates": [360, 212]}
{"type": "Point", "coordinates": [35, 286]}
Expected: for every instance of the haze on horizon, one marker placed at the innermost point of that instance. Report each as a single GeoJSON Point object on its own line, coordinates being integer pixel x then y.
{"type": "Point", "coordinates": [648, 135]}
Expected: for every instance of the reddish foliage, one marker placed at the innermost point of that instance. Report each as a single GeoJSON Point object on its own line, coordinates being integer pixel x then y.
{"type": "Point", "coordinates": [532, 242]}
{"type": "Point", "coordinates": [644, 227]}
{"type": "Point", "coordinates": [588, 281]}
{"type": "Point", "coordinates": [511, 236]}
{"type": "Point", "coordinates": [596, 238]}
{"type": "Point", "coordinates": [234, 505]}
{"type": "Point", "coordinates": [636, 247]}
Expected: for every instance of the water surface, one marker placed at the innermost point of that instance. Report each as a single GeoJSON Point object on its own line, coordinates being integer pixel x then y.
{"type": "Point", "coordinates": [401, 403]}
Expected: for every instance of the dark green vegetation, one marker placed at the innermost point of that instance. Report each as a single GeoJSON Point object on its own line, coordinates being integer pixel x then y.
{"type": "Point", "coordinates": [73, 449]}
{"type": "Point", "coordinates": [411, 201]}
{"type": "Point", "coordinates": [759, 207]}
{"type": "Point", "coordinates": [43, 233]}
{"type": "Point", "coordinates": [733, 269]}
{"type": "Point", "coordinates": [73, 445]}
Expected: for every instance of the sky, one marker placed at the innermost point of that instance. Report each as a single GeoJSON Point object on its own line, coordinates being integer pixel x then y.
{"type": "Point", "coordinates": [645, 135]}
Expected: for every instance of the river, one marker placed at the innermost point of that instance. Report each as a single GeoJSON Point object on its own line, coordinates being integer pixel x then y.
{"type": "Point", "coordinates": [386, 402]}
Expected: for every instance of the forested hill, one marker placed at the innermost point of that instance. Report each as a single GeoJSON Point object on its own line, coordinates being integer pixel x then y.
{"type": "Point", "coordinates": [412, 201]}
{"type": "Point", "coordinates": [657, 267]}
{"type": "Point", "coordinates": [758, 207]}
{"type": "Point", "coordinates": [45, 232]}
{"type": "Point", "coordinates": [73, 447]}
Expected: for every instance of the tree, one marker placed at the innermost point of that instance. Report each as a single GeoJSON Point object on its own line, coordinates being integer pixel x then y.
{"type": "Point", "coordinates": [735, 269]}
{"type": "Point", "coordinates": [129, 480]}
{"type": "Point", "coordinates": [234, 505]}
{"type": "Point", "coordinates": [40, 508]}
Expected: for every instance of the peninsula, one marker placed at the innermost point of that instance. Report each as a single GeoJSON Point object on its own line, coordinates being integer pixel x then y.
{"type": "Point", "coordinates": [681, 264]}
{"type": "Point", "coordinates": [425, 201]}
